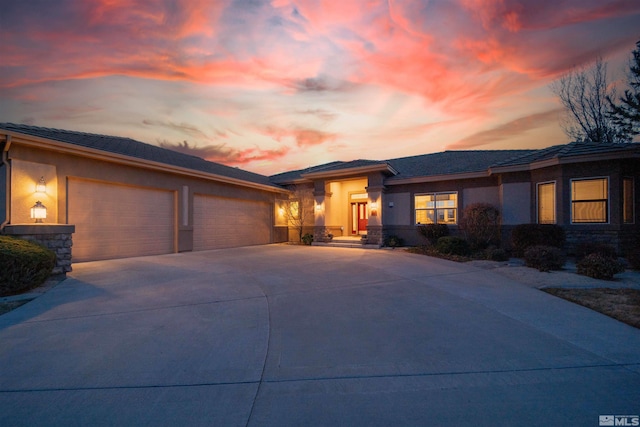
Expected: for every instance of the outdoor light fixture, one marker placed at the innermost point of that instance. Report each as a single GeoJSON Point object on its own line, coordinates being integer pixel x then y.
{"type": "Point", "coordinates": [374, 209]}
{"type": "Point", "coordinates": [318, 207]}
{"type": "Point", "coordinates": [38, 212]}
{"type": "Point", "coordinates": [41, 186]}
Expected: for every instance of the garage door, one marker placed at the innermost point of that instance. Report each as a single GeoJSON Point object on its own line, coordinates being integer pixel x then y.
{"type": "Point", "coordinates": [225, 223]}
{"type": "Point", "coordinates": [117, 221]}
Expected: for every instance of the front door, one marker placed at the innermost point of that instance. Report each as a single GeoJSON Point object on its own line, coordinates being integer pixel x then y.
{"type": "Point", "coordinates": [359, 218]}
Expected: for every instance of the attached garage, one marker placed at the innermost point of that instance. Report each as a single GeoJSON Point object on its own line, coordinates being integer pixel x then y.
{"type": "Point", "coordinates": [118, 221]}
{"type": "Point", "coordinates": [220, 222]}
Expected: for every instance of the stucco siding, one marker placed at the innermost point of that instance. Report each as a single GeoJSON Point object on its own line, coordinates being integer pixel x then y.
{"type": "Point", "coordinates": [515, 206]}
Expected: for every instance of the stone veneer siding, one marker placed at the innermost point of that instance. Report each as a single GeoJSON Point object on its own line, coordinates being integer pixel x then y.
{"type": "Point", "coordinates": [56, 237]}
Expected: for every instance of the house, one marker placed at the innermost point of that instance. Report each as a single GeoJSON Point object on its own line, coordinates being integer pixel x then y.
{"type": "Point", "coordinates": [589, 189]}
{"type": "Point", "coordinates": [127, 198]}
{"type": "Point", "coordinates": [123, 198]}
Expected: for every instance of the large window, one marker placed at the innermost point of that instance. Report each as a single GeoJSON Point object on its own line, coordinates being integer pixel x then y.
{"type": "Point", "coordinates": [437, 208]}
{"type": "Point", "coordinates": [547, 203]}
{"type": "Point", "coordinates": [590, 200]}
{"type": "Point", "coordinates": [627, 201]}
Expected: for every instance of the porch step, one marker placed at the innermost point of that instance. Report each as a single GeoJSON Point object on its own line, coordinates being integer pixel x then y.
{"type": "Point", "coordinates": [336, 243]}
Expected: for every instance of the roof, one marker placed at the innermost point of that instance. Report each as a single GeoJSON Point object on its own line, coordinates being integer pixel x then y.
{"type": "Point", "coordinates": [572, 150]}
{"type": "Point", "coordinates": [454, 163]}
{"type": "Point", "coordinates": [140, 150]}
{"type": "Point", "coordinates": [451, 162]}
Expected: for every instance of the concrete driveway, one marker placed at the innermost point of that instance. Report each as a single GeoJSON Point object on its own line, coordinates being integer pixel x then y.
{"type": "Point", "coordinates": [302, 336]}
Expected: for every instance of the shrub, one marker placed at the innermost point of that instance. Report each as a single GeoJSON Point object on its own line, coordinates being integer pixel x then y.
{"type": "Point", "coordinates": [452, 245]}
{"type": "Point", "coordinates": [307, 239]}
{"type": "Point", "coordinates": [393, 241]}
{"type": "Point", "coordinates": [634, 258]}
{"type": "Point", "coordinates": [599, 266]}
{"type": "Point", "coordinates": [544, 258]}
{"type": "Point", "coordinates": [23, 265]}
{"type": "Point", "coordinates": [587, 248]}
{"type": "Point", "coordinates": [495, 254]}
{"type": "Point", "coordinates": [524, 236]}
{"type": "Point", "coordinates": [481, 225]}
{"type": "Point", "coordinates": [432, 232]}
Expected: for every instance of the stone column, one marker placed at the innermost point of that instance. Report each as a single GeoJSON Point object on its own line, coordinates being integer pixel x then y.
{"type": "Point", "coordinates": [56, 237]}
{"type": "Point", "coordinates": [375, 225]}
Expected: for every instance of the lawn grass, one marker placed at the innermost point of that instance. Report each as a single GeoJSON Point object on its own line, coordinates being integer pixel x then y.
{"type": "Point", "coordinates": [621, 304]}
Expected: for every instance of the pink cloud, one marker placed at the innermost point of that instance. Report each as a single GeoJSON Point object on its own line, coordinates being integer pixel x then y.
{"type": "Point", "coordinates": [303, 137]}
{"type": "Point", "coordinates": [507, 130]}
{"type": "Point", "coordinates": [221, 153]}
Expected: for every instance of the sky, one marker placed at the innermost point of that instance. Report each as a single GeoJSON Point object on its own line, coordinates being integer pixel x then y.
{"type": "Point", "coordinates": [272, 86]}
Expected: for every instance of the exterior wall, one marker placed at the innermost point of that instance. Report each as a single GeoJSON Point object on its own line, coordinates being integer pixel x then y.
{"type": "Point", "coordinates": [24, 177]}
{"type": "Point", "coordinates": [402, 224]}
{"type": "Point", "coordinates": [490, 195]}
{"type": "Point", "coordinates": [614, 232]}
{"type": "Point", "coordinates": [73, 166]}
{"type": "Point", "coordinates": [3, 193]}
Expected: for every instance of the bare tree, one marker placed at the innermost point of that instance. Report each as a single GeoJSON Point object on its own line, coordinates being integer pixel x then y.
{"type": "Point", "coordinates": [299, 209]}
{"type": "Point", "coordinates": [584, 93]}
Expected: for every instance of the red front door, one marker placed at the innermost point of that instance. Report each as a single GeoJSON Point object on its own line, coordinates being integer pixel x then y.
{"type": "Point", "coordinates": [359, 217]}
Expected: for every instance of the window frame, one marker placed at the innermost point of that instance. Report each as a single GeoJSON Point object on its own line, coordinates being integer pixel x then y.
{"type": "Point", "coordinates": [555, 202]}
{"type": "Point", "coordinates": [606, 201]}
{"type": "Point", "coordinates": [435, 208]}
{"type": "Point", "coordinates": [633, 200]}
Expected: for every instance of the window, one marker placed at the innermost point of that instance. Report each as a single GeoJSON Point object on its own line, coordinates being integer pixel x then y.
{"type": "Point", "coordinates": [437, 208]}
{"type": "Point", "coordinates": [547, 203]}
{"type": "Point", "coordinates": [627, 201]}
{"type": "Point", "coordinates": [590, 200]}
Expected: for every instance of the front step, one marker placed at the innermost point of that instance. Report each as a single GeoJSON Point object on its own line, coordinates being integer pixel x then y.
{"type": "Point", "coordinates": [345, 243]}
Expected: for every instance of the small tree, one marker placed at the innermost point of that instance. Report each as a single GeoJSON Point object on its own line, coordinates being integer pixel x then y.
{"type": "Point", "coordinates": [626, 114]}
{"type": "Point", "coordinates": [299, 209]}
{"type": "Point", "coordinates": [481, 225]}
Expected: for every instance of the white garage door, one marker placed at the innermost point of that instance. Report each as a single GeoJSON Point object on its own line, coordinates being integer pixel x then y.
{"type": "Point", "coordinates": [226, 223]}
{"type": "Point", "coordinates": [117, 221]}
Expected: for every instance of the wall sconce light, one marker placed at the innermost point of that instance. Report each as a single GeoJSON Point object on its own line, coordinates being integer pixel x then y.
{"type": "Point", "coordinates": [374, 209]}
{"type": "Point", "coordinates": [281, 211]}
{"type": "Point", "coordinates": [41, 186]}
{"type": "Point", "coordinates": [38, 212]}
{"type": "Point", "coordinates": [319, 208]}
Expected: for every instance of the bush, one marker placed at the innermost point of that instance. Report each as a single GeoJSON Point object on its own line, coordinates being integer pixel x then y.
{"type": "Point", "coordinates": [481, 225]}
{"type": "Point", "coordinates": [393, 241]}
{"type": "Point", "coordinates": [307, 239]}
{"type": "Point", "coordinates": [432, 232]}
{"type": "Point", "coordinates": [524, 236]}
{"type": "Point", "coordinates": [587, 248]}
{"type": "Point", "coordinates": [634, 258]}
{"type": "Point", "coordinates": [599, 266]}
{"type": "Point", "coordinates": [23, 265]}
{"type": "Point", "coordinates": [544, 258]}
{"type": "Point", "coordinates": [495, 254]}
{"type": "Point", "coordinates": [452, 245]}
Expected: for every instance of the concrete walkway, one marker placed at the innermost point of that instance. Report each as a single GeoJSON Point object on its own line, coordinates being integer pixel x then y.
{"type": "Point", "coordinates": [309, 336]}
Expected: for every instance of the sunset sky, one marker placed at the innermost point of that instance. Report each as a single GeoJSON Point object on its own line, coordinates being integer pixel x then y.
{"type": "Point", "coordinates": [271, 86]}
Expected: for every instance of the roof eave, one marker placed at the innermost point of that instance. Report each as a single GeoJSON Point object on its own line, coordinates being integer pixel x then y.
{"type": "Point", "coordinates": [385, 167]}
{"type": "Point", "coordinates": [436, 178]}
{"type": "Point", "coordinates": [562, 160]}
{"type": "Point", "coordinates": [93, 153]}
